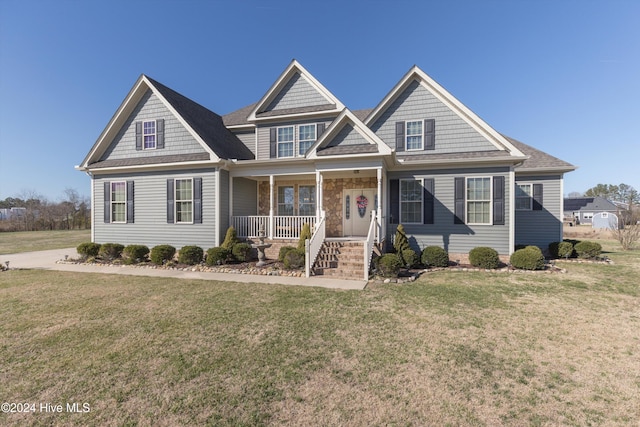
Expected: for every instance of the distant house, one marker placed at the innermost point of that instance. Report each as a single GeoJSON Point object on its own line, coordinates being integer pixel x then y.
{"type": "Point", "coordinates": [583, 209]}
{"type": "Point", "coordinates": [8, 213]}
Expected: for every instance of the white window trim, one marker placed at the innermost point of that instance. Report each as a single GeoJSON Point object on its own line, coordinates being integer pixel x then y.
{"type": "Point", "coordinates": [587, 215]}
{"type": "Point", "coordinates": [298, 140]}
{"type": "Point", "coordinates": [293, 142]}
{"type": "Point", "coordinates": [421, 181]}
{"type": "Point", "coordinates": [406, 135]}
{"type": "Point", "coordinates": [293, 202]}
{"type": "Point", "coordinates": [466, 200]}
{"type": "Point", "coordinates": [605, 214]}
{"type": "Point", "coordinates": [313, 192]}
{"type": "Point", "coordinates": [530, 208]}
{"type": "Point", "coordinates": [155, 135]}
{"type": "Point", "coordinates": [175, 201]}
{"type": "Point", "coordinates": [111, 202]}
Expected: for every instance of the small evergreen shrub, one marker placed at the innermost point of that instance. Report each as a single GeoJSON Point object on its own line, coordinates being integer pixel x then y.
{"type": "Point", "coordinates": [217, 256]}
{"type": "Point", "coordinates": [389, 265]}
{"type": "Point", "coordinates": [135, 253]}
{"type": "Point", "coordinates": [400, 241]}
{"type": "Point", "coordinates": [435, 256]}
{"type": "Point", "coordinates": [110, 251]}
{"type": "Point", "coordinates": [162, 253]}
{"type": "Point", "coordinates": [283, 252]}
{"type": "Point", "coordinates": [294, 259]}
{"type": "Point", "coordinates": [230, 239]}
{"type": "Point", "coordinates": [552, 248]}
{"type": "Point", "coordinates": [529, 258]}
{"type": "Point", "coordinates": [305, 234]}
{"type": "Point", "coordinates": [565, 249]}
{"type": "Point", "coordinates": [190, 255]}
{"type": "Point", "coordinates": [484, 257]}
{"type": "Point", "coordinates": [410, 258]}
{"type": "Point", "coordinates": [588, 249]}
{"type": "Point", "coordinates": [241, 252]}
{"type": "Point", "coordinates": [88, 249]}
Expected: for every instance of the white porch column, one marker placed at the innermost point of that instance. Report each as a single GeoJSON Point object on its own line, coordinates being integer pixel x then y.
{"type": "Point", "coordinates": [318, 195]}
{"type": "Point", "coordinates": [379, 213]}
{"type": "Point", "coordinates": [231, 200]}
{"type": "Point", "coordinates": [271, 185]}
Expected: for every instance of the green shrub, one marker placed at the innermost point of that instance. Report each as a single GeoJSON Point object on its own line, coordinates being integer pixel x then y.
{"type": "Point", "coordinates": [410, 258]}
{"type": "Point", "coordinates": [162, 253]}
{"type": "Point", "coordinates": [283, 252]}
{"type": "Point", "coordinates": [190, 255]}
{"type": "Point", "coordinates": [230, 239]}
{"type": "Point", "coordinates": [294, 259]}
{"type": "Point", "coordinates": [135, 253]}
{"type": "Point", "coordinates": [389, 265]}
{"type": "Point", "coordinates": [435, 256]}
{"type": "Point", "coordinates": [241, 252]}
{"type": "Point", "coordinates": [305, 234]}
{"type": "Point", "coordinates": [552, 248]}
{"type": "Point", "coordinates": [529, 258]}
{"type": "Point", "coordinates": [400, 241]}
{"type": "Point", "coordinates": [88, 249]}
{"type": "Point", "coordinates": [484, 257]}
{"type": "Point", "coordinates": [110, 251]}
{"type": "Point", "coordinates": [588, 249]}
{"type": "Point", "coordinates": [217, 256]}
{"type": "Point", "coordinates": [565, 249]}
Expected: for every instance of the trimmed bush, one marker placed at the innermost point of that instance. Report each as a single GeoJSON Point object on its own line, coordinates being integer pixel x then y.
{"type": "Point", "coordinates": [389, 265]}
{"type": "Point", "coordinates": [135, 253]}
{"type": "Point", "coordinates": [241, 252]}
{"type": "Point", "coordinates": [400, 241]}
{"type": "Point", "coordinates": [162, 253]}
{"type": "Point", "coordinates": [110, 251]}
{"type": "Point", "coordinates": [435, 256]}
{"type": "Point", "coordinates": [565, 249]}
{"type": "Point", "coordinates": [190, 255]}
{"type": "Point", "coordinates": [88, 249]}
{"type": "Point", "coordinates": [283, 252]}
{"type": "Point", "coordinates": [217, 256]}
{"type": "Point", "coordinates": [529, 258]}
{"type": "Point", "coordinates": [588, 249]}
{"type": "Point", "coordinates": [230, 239]}
{"type": "Point", "coordinates": [294, 259]}
{"type": "Point", "coordinates": [484, 257]}
{"type": "Point", "coordinates": [410, 258]}
{"type": "Point", "coordinates": [305, 234]}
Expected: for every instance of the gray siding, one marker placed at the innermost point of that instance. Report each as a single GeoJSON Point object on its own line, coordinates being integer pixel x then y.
{"type": "Point", "coordinates": [298, 92]}
{"type": "Point", "coordinates": [541, 227]}
{"type": "Point", "coordinates": [224, 204]}
{"type": "Point", "coordinates": [177, 139]}
{"type": "Point", "coordinates": [248, 139]}
{"type": "Point", "coordinates": [263, 133]}
{"type": "Point", "coordinates": [347, 136]}
{"type": "Point", "coordinates": [245, 197]}
{"type": "Point", "coordinates": [416, 103]}
{"type": "Point", "coordinates": [150, 205]}
{"type": "Point", "coordinates": [455, 238]}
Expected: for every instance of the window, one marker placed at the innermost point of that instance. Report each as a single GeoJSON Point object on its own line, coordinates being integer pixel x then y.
{"type": "Point", "coordinates": [285, 142]}
{"type": "Point", "coordinates": [479, 200]}
{"type": "Point", "coordinates": [119, 201]}
{"type": "Point", "coordinates": [306, 138]}
{"type": "Point", "coordinates": [524, 197]}
{"type": "Point", "coordinates": [306, 200]}
{"type": "Point", "coordinates": [184, 200]}
{"type": "Point", "coordinates": [285, 201]}
{"type": "Point", "coordinates": [587, 215]}
{"type": "Point", "coordinates": [149, 135]}
{"type": "Point", "coordinates": [414, 135]}
{"type": "Point", "coordinates": [411, 201]}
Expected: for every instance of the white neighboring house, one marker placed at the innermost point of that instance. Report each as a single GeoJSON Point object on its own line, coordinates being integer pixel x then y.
{"type": "Point", "coordinates": [9, 213]}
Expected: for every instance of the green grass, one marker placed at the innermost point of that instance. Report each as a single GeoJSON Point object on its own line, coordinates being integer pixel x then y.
{"type": "Point", "coordinates": [27, 241]}
{"type": "Point", "coordinates": [449, 349]}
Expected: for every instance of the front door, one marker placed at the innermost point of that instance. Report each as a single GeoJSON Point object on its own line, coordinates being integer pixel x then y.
{"type": "Point", "coordinates": [357, 206]}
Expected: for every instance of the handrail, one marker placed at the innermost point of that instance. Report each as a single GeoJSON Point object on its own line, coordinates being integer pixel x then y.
{"type": "Point", "coordinates": [368, 246]}
{"type": "Point", "coordinates": [313, 245]}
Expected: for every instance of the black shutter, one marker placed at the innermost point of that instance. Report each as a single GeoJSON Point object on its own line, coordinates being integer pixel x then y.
{"type": "Point", "coordinates": [537, 197]}
{"type": "Point", "coordinates": [399, 136]}
{"type": "Point", "coordinates": [197, 200]}
{"type": "Point", "coordinates": [428, 201]}
{"type": "Point", "coordinates": [170, 202]}
{"type": "Point", "coordinates": [130, 211]}
{"type": "Point", "coordinates": [160, 133]}
{"type": "Point", "coordinates": [498, 200]}
{"type": "Point", "coordinates": [273, 143]}
{"type": "Point", "coordinates": [458, 214]}
{"type": "Point", "coordinates": [107, 202]}
{"type": "Point", "coordinates": [430, 134]}
{"type": "Point", "coordinates": [320, 130]}
{"type": "Point", "coordinates": [394, 201]}
{"type": "Point", "coordinates": [138, 136]}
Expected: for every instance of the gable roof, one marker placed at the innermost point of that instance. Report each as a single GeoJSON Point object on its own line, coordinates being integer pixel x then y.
{"type": "Point", "coordinates": [588, 204]}
{"type": "Point", "coordinates": [539, 160]}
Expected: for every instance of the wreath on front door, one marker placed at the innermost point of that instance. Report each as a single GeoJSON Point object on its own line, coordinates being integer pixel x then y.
{"type": "Point", "coordinates": [362, 203]}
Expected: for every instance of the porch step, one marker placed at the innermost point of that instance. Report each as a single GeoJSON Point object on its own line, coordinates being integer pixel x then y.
{"type": "Point", "coordinates": [340, 259]}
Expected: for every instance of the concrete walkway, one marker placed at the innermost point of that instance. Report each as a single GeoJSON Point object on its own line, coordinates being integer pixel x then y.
{"type": "Point", "coordinates": [46, 260]}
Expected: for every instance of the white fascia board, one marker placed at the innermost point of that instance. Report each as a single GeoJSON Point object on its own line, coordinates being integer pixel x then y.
{"type": "Point", "coordinates": [550, 170]}
{"type": "Point", "coordinates": [454, 162]}
{"type": "Point", "coordinates": [242, 126]}
{"type": "Point", "coordinates": [296, 116]}
{"type": "Point", "coordinates": [157, 166]}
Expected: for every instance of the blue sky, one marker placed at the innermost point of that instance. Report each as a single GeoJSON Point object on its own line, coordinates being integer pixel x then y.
{"type": "Point", "coordinates": [560, 75]}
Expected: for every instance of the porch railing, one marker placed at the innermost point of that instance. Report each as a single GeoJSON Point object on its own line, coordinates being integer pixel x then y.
{"type": "Point", "coordinates": [248, 226]}
{"type": "Point", "coordinates": [284, 227]}
{"type": "Point", "coordinates": [368, 245]}
{"type": "Point", "coordinates": [313, 245]}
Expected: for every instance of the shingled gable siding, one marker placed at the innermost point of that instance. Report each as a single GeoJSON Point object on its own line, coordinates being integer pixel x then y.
{"type": "Point", "coordinates": [177, 140]}
{"type": "Point", "coordinates": [347, 136]}
{"type": "Point", "coordinates": [264, 133]}
{"type": "Point", "coordinates": [456, 238]}
{"type": "Point", "coordinates": [452, 134]}
{"type": "Point", "coordinates": [248, 138]}
{"type": "Point", "coordinates": [543, 226]}
{"type": "Point", "coordinates": [298, 92]}
{"type": "Point", "coordinates": [150, 227]}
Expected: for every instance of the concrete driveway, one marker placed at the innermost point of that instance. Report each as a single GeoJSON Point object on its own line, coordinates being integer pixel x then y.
{"type": "Point", "coordinates": [47, 260]}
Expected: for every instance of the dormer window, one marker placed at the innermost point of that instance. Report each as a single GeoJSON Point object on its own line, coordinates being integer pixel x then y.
{"type": "Point", "coordinates": [149, 135]}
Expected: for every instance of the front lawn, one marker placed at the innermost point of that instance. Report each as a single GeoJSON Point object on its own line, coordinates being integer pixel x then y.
{"type": "Point", "coordinates": [28, 241]}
